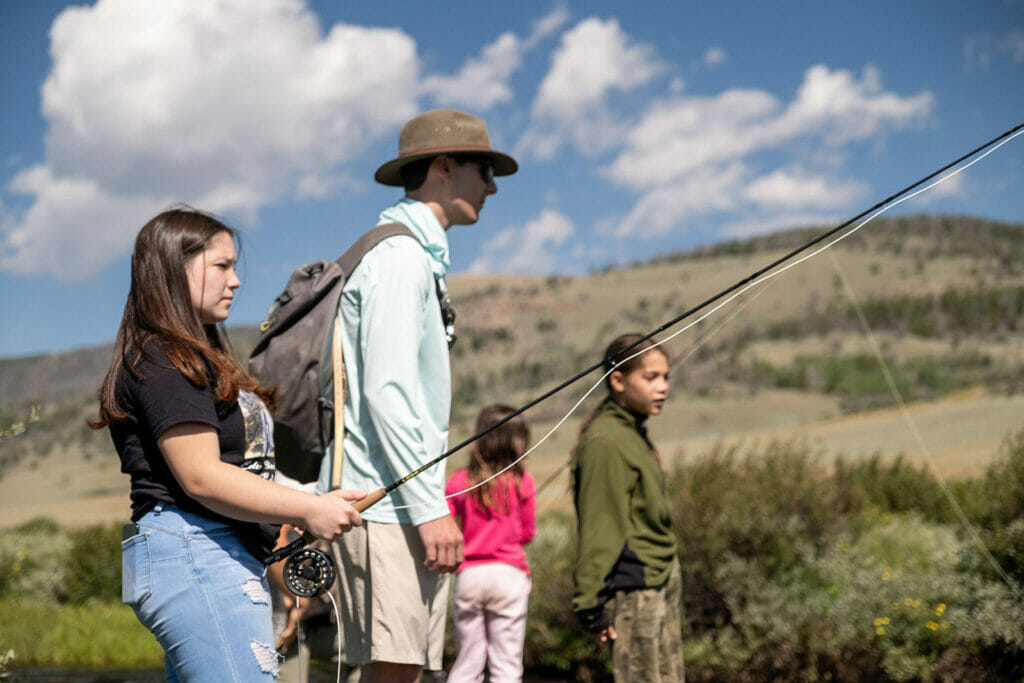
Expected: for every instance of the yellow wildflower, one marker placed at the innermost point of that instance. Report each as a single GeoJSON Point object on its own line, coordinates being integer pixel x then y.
{"type": "Point", "coordinates": [940, 609]}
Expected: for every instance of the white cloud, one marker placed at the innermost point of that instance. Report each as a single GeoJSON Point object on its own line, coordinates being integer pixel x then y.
{"type": "Point", "coordinates": [595, 58]}
{"type": "Point", "coordinates": [482, 82]}
{"type": "Point", "coordinates": [762, 224]}
{"type": "Point", "coordinates": [548, 25]}
{"type": "Point", "coordinates": [841, 109]}
{"type": "Point", "coordinates": [982, 49]}
{"type": "Point", "coordinates": [669, 205]}
{"type": "Point", "coordinates": [228, 106]}
{"type": "Point", "coordinates": [680, 135]}
{"type": "Point", "coordinates": [529, 249]}
{"type": "Point", "coordinates": [714, 56]}
{"type": "Point", "coordinates": [947, 186]}
{"type": "Point", "coordinates": [689, 156]}
{"type": "Point", "coordinates": [786, 188]}
{"type": "Point", "coordinates": [79, 223]}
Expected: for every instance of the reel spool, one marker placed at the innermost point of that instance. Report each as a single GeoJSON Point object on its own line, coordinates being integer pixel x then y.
{"type": "Point", "coordinates": [308, 572]}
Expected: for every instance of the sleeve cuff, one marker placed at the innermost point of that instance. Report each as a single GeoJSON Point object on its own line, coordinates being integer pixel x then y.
{"type": "Point", "coordinates": [594, 619]}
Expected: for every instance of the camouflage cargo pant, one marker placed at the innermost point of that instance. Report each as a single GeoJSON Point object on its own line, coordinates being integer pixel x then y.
{"type": "Point", "coordinates": [648, 647]}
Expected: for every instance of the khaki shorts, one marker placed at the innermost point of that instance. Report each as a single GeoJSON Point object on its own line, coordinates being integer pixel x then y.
{"type": "Point", "coordinates": [392, 608]}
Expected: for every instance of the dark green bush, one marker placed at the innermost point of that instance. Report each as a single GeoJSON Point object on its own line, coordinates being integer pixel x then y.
{"type": "Point", "coordinates": [895, 486]}
{"type": "Point", "coordinates": [864, 573]}
{"type": "Point", "coordinates": [93, 567]}
{"type": "Point", "coordinates": [794, 569]}
{"type": "Point", "coordinates": [556, 645]}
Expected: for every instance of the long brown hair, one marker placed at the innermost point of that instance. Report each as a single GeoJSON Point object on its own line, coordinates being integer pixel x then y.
{"type": "Point", "coordinates": [495, 451]}
{"type": "Point", "coordinates": [159, 310]}
{"type": "Point", "coordinates": [631, 360]}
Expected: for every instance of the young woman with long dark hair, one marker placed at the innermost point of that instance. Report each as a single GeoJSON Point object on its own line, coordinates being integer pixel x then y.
{"type": "Point", "coordinates": [194, 433]}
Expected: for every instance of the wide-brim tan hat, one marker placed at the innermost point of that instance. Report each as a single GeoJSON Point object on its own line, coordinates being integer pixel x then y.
{"type": "Point", "coordinates": [443, 131]}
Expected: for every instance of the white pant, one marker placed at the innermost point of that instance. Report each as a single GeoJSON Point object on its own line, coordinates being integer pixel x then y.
{"type": "Point", "coordinates": [490, 622]}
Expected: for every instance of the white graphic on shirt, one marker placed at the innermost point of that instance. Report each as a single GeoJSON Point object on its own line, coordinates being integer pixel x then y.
{"type": "Point", "coordinates": [259, 436]}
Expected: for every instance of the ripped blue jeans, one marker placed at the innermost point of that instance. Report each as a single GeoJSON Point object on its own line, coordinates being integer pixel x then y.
{"type": "Point", "coordinates": [202, 594]}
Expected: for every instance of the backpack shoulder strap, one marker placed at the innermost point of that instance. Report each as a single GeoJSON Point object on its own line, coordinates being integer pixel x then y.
{"type": "Point", "coordinates": [348, 262]}
{"type": "Point", "coordinates": [371, 238]}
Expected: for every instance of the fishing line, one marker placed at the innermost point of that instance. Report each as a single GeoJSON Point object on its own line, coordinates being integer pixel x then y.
{"type": "Point", "coordinates": [760, 277]}
{"type": "Point", "coordinates": [337, 620]}
{"type": "Point", "coordinates": [705, 338]}
{"type": "Point", "coordinates": [303, 674]}
{"type": "Point", "coordinates": [723, 297]}
{"type": "Point", "coordinates": [914, 432]}
{"type": "Point", "coordinates": [693, 348]}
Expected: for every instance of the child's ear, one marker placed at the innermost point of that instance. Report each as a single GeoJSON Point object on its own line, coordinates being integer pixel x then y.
{"type": "Point", "coordinates": [617, 381]}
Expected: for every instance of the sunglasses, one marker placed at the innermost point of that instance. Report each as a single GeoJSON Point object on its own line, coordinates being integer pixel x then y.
{"type": "Point", "coordinates": [486, 172]}
{"type": "Point", "coordinates": [486, 167]}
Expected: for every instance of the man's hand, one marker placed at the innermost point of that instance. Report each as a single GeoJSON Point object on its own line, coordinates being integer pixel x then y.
{"type": "Point", "coordinates": [444, 544]}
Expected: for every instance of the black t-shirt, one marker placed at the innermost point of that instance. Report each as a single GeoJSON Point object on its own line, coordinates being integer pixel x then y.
{"type": "Point", "coordinates": [161, 398]}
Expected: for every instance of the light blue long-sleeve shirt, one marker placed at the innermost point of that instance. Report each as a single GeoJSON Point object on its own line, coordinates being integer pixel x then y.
{"type": "Point", "coordinates": [397, 372]}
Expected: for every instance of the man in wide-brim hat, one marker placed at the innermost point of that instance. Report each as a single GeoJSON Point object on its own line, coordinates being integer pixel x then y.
{"type": "Point", "coordinates": [443, 131]}
{"type": "Point", "coordinates": [393, 570]}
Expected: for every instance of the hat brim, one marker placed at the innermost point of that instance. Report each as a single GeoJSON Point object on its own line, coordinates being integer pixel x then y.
{"type": "Point", "coordinates": [391, 172]}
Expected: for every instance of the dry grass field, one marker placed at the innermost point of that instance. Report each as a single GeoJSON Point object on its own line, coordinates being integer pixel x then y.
{"type": "Point", "coordinates": [520, 336]}
{"type": "Point", "coordinates": [959, 436]}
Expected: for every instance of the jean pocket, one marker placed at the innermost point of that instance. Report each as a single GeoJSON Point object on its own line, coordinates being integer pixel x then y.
{"type": "Point", "coordinates": [135, 574]}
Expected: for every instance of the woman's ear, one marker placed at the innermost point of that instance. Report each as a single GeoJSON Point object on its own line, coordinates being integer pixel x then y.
{"type": "Point", "coordinates": [617, 381]}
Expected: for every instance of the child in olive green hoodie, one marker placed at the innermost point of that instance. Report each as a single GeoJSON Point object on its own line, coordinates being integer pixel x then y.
{"type": "Point", "coordinates": [628, 584]}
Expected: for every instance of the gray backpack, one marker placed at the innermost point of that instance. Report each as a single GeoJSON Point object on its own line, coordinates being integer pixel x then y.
{"type": "Point", "coordinates": [293, 346]}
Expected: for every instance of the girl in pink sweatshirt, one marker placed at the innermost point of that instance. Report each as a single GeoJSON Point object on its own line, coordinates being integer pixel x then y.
{"type": "Point", "coordinates": [492, 585]}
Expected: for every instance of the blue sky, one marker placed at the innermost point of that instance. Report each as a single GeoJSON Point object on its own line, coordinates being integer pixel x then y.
{"type": "Point", "coordinates": [641, 128]}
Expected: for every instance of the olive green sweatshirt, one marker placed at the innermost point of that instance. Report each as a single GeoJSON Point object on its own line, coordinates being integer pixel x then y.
{"type": "Point", "coordinates": [623, 512]}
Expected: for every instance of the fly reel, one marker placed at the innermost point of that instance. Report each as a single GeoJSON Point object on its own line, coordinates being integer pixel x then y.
{"type": "Point", "coordinates": [308, 572]}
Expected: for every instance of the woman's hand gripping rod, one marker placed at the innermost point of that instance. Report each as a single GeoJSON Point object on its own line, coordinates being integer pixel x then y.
{"type": "Point", "coordinates": [308, 538]}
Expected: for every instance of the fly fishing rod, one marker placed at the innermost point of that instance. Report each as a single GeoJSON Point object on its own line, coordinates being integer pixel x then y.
{"type": "Point", "coordinates": [310, 566]}
{"type": "Point", "coordinates": [377, 495]}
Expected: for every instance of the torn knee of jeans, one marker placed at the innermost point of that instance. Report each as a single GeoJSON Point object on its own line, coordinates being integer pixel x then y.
{"type": "Point", "coordinates": [266, 657]}
{"type": "Point", "coordinates": [256, 592]}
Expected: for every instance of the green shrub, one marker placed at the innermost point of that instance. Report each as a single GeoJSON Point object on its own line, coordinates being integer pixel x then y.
{"type": "Point", "coordinates": [861, 574]}
{"type": "Point", "coordinates": [1003, 485]}
{"type": "Point", "coordinates": [556, 644]}
{"type": "Point", "coordinates": [895, 486]}
{"type": "Point", "coordinates": [94, 565]}
{"type": "Point", "coordinates": [889, 604]}
{"type": "Point", "coordinates": [995, 504]}
{"type": "Point", "coordinates": [32, 562]}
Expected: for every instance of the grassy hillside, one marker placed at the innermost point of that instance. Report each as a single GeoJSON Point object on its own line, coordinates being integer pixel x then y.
{"type": "Point", "coordinates": [942, 296]}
